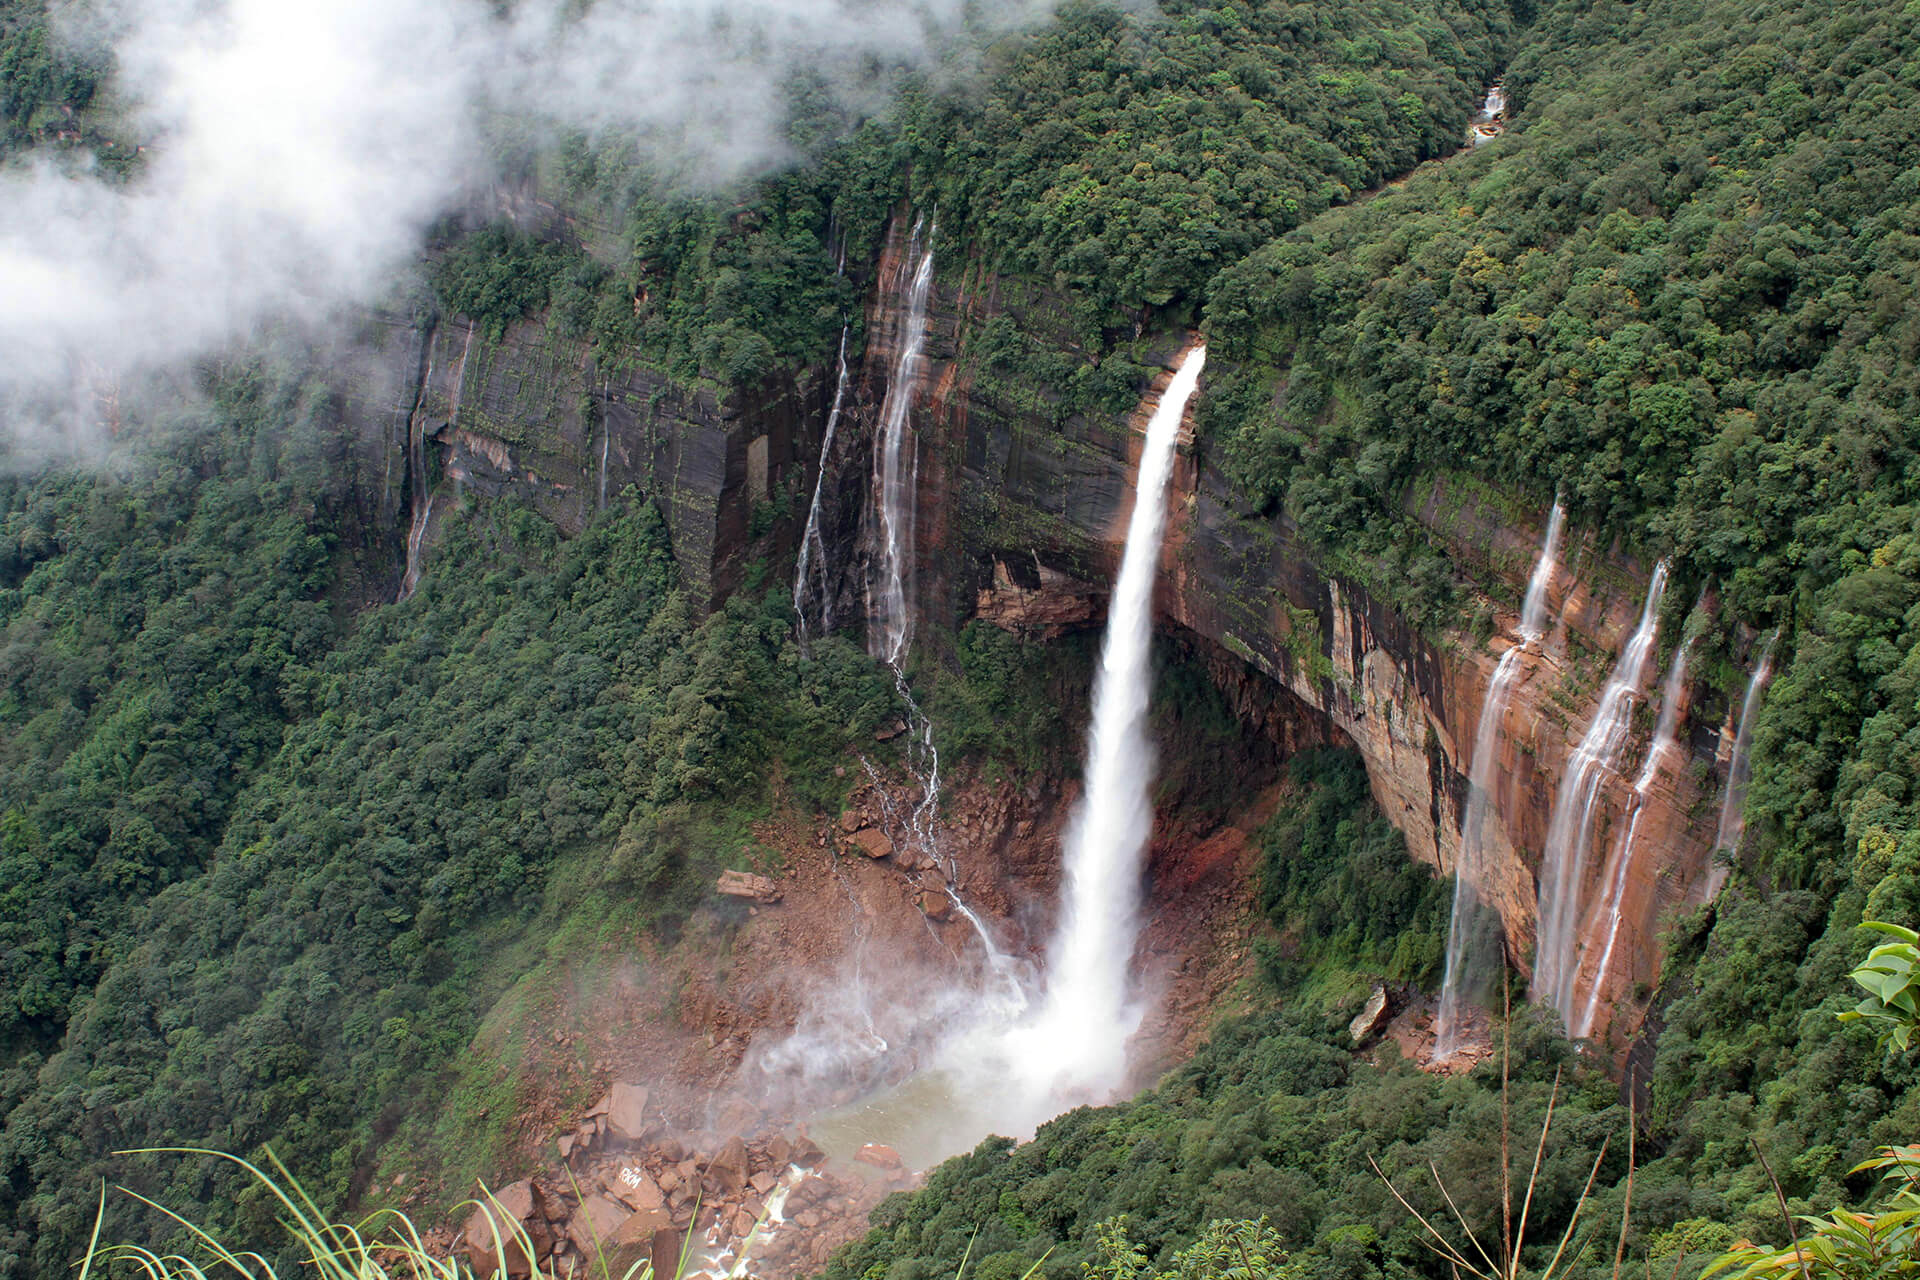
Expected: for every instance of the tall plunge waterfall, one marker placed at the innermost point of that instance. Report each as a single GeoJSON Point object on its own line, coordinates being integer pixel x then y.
{"type": "Point", "coordinates": [1474, 929]}
{"type": "Point", "coordinates": [1563, 866]}
{"type": "Point", "coordinates": [812, 561]}
{"type": "Point", "coordinates": [1663, 754]}
{"type": "Point", "coordinates": [1076, 1047]}
{"type": "Point", "coordinates": [897, 475]}
{"type": "Point", "coordinates": [1733, 806]}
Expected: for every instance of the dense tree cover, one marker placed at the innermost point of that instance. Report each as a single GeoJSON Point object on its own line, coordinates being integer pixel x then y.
{"type": "Point", "coordinates": [48, 90]}
{"type": "Point", "coordinates": [1120, 157]}
{"type": "Point", "coordinates": [1337, 874]}
{"type": "Point", "coordinates": [372, 812]}
{"type": "Point", "coordinates": [1677, 293]}
{"type": "Point", "coordinates": [258, 855]}
{"type": "Point", "coordinates": [1670, 294]}
{"type": "Point", "coordinates": [1128, 158]}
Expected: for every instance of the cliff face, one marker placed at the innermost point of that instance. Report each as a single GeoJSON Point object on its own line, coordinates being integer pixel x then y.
{"type": "Point", "coordinates": [448, 408]}
{"type": "Point", "coordinates": [1021, 523]}
{"type": "Point", "coordinates": [1022, 509]}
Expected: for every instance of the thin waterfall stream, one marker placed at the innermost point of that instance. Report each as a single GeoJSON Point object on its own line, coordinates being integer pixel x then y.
{"type": "Point", "coordinates": [1473, 928]}
{"type": "Point", "coordinates": [1665, 748]}
{"type": "Point", "coordinates": [892, 623]}
{"type": "Point", "coordinates": [1563, 865]}
{"type": "Point", "coordinates": [812, 560]}
{"type": "Point", "coordinates": [1733, 806]}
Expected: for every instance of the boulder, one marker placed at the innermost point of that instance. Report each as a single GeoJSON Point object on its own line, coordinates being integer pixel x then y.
{"type": "Point", "coordinates": [634, 1188]}
{"type": "Point", "coordinates": [639, 1228]}
{"type": "Point", "coordinates": [592, 1226]}
{"type": "Point", "coordinates": [873, 842]}
{"type": "Point", "coordinates": [745, 884]}
{"type": "Point", "coordinates": [807, 1152]}
{"type": "Point", "coordinates": [743, 1222]}
{"type": "Point", "coordinates": [728, 1168]}
{"type": "Point", "coordinates": [1372, 1016]}
{"type": "Point", "coordinates": [933, 905]}
{"type": "Point", "coordinates": [668, 1246]}
{"type": "Point", "coordinates": [764, 1181]}
{"type": "Point", "coordinates": [498, 1233]}
{"type": "Point", "coordinates": [879, 1155]}
{"type": "Point", "coordinates": [852, 820]}
{"type": "Point", "coordinates": [889, 731]}
{"type": "Point", "coordinates": [779, 1152]}
{"type": "Point", "coordinates": [627, 1112]}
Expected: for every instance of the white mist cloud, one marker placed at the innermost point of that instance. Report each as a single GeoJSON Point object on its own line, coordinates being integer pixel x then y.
{"type": "Point", "coordinates": [296, 150]}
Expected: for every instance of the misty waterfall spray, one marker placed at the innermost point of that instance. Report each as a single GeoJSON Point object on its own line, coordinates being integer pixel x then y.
{"type": "Point", "coordinates": [1077, 1045]}
{"type": "Point", "coordinates": [1472, 931]}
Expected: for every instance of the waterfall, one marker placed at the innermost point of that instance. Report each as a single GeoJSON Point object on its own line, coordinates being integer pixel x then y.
{"type": "Point", "coordinates": [416, 536]}
{"type": "Point", "coordinates": [1563, 865]}
{"type": "Point", "coordinates": [1078, 1042]}
{"type": "Point", "coordinates": [1733, 806]}
{"type": "Point", "coordinates": [1665, 748]}
{"type": "Point", "coordinates": [810, 541]}
{"type": "Point", "coordinates": [1489, 122]}
{"type": "Point", "coordinates": [897, 481]}
{"type": "Point", "coordinates": [606, 438]}
{"type": "Point", "coordinates": [1472, 930]}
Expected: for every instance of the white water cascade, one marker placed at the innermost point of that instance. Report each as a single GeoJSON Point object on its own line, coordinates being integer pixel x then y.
{"type": "Point", "coordinates": [813, 551]}
{"type": "Point", "coordinates": [1563, 865]}
{"type": "Point", "coordinates": [1473, 929]}
{"type": "Point", "coordinates": [1733, 806]}
{"type": "Point", "coordinates": [896, 476]}
{"type": "Point", "coordinates": [1076, 1047]}
{"type": "Point", "coordinates": [1662, 754]}
{"type": "Point", "coordinates": [1489, 122]}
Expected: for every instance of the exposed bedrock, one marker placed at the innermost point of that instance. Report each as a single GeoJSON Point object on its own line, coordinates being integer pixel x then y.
{"type": "Point", "coordinates": [532, 416]}
{"type": "Point", "coordinates": [1021, 524]}
{"type": "Point", "coordinates": [1022, 510]}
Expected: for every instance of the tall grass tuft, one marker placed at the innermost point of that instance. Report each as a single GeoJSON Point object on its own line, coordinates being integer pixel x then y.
{"type": "Point", "coordinates": [384, 1246]}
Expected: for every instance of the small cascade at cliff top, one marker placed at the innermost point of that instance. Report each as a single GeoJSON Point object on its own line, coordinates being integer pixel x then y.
{"type": "Point", "coordinates": [1733, 806]}
{"type": "Point", "coordinates": [1662, 755]}
{"type": "Point", "coordinates": [1075, 1049]}
{"type": "Point", "coordinates": [812, 562]}
{"type": "Point", "coordinates": [1563, 866]}
{"type": "Point", "coordinates": [896, 476]}
{"type": "Point", "coordinates": [1473, 930]}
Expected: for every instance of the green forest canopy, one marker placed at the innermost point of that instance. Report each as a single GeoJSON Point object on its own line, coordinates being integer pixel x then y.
{"type": "Point", "coordinates": [258, 839]}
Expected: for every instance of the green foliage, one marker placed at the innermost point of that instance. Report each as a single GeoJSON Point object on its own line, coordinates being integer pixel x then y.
{"type": "Point", "coordinates": [1275, 1118]}
{"type": "Point", "coordinates": [1226, 1250]}
{"type": "Point", "coordinates": [1011, 699]}
{"type": "Point", "coordinates": [47, 90]}
{"type": "Point", "coordinates": [1846, 1244]}
{"type": "Point", "coordinates": [268, 868]}
{"type": "Point", "coordinates": [498, 275]}
{"type": "Point", "coordinates": [1128, 157]}
{"type": "Point", "coordinates": [1891, 976]}
{"type": "Point", "coordinates": [1339, 884]}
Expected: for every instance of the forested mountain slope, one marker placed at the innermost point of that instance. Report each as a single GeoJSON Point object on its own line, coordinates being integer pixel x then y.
{"type": "Point", "coordinates": [268, 852]}
{"type": "Point", "coordinates": [1677, 293]}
